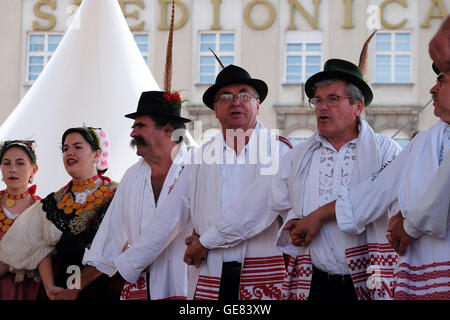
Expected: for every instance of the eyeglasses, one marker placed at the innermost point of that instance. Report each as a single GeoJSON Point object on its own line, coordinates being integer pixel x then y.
{"type": "Point", "coordinates": [241, 96]}
{"type": "Point", "coordinates": [331, 100]}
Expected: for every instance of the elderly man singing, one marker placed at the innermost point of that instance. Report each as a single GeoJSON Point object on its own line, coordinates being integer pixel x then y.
{"type": "Point", "coordinates": [334, 265]}
{"type": "Point", "coordinates": [221, 170]}
{"type": "Point", "coordinates": [422, 271]}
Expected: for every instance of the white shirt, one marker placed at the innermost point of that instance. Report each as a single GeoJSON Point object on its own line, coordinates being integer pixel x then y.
{"type": "Point", "coordinates": [232, 185]}
{"type": "Point", "coordinates": [445, 144]}
{"type": "Point", "coordinates": [329, 171]}
{"type": "Point", "coordinates": [165, 226]}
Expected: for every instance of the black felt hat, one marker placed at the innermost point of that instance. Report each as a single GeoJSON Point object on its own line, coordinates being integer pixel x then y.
{"type": "Point", "coordinates": [232, 75]}
{"type": "Point", "coordinates": [158, 103]}
{"type": "Point", "coordinates": [340, 69]}
{"type": "Point", "coordinates": [436, 69]}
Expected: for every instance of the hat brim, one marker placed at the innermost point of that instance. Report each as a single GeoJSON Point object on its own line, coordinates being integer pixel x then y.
{"type": "Point", "coordinates": [134, 115]}
{"type": "Point", "coordinates": [325, 75]}
{"type": "Point", "coordinates": [259, 85]}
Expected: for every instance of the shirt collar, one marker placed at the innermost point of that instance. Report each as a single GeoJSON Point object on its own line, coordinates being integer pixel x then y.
{"type": "Point", "coordinates": [253, 138]}
{"type": "Point", "coordinates": [324, 142]}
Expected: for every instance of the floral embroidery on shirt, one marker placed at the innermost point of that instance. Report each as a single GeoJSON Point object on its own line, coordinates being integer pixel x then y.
{"type": "Point", "coordinates": [329, 164]}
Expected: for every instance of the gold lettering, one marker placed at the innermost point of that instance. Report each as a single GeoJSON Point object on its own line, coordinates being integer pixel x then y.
{"type": "Point", "coordinates": [431, 15]}
{"type": "Point", "coordinates": [387, 25]}
{"type": "Point", "coordinates": [44, 15]}
{"type": "Point", "coordinates": [313, 21]}
{"type": "Point", "coordinates": [164, 25]}
{"type": "Point", "coordinates": [269, 21]}
{"type": "Point", "coordinates": [348, 15]}
{"type": "Point", "coordinates": [216, 23]}
{"type": "Point", "coordinates": [77, 2]}
{"type": "Point", "coordinates": [134, 14]}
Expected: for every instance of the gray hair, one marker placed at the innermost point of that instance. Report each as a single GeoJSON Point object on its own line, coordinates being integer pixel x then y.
{"type": "Point", "coordinates": [353, 91]}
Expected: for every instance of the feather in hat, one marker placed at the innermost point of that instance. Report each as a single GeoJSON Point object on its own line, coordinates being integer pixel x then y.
{"type": "Point", "coordinates": [168, 68]}
{"type": "Point", "coordinates": [217, 58]}
{"type": "Point", "coordinates": [363, 56]}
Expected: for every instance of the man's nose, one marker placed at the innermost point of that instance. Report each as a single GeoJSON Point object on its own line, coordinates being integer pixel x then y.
{"type": "Point", "coordinates": [235, 100]}
{"type": "Point", "coordinates": [434, 89]}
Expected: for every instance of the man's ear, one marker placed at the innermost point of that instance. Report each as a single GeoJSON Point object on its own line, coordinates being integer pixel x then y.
{"type": "Point", "coordinates": [359, 108]}
{"type": "Point", "coordinates": [168, 130]}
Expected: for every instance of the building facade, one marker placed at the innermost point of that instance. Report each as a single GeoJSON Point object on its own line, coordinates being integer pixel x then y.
{"type": "Point", "coordinates": [282, 42]}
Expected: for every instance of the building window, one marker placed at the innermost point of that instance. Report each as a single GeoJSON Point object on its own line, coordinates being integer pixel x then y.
{"type": "Point", "coordinates": [142, 43]}
{"type": "Point", "coordinates": [303, 56]}
{"type": "Point", "coordinates": [393, 57]}
{"type": "Point", "coordinates": [223, 44]}
{"type": "Point", "coordinates": [41, 47]}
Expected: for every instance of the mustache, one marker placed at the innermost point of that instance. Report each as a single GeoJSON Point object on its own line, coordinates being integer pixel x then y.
{"type": "Point", "coordinates": [137, 141]}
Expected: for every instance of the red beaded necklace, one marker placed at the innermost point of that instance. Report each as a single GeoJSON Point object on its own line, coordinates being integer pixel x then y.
{"type": "Point", "coordinates": [10, 202]}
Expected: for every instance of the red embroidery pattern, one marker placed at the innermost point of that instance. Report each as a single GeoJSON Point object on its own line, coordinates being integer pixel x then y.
{"type": "Point", "coordinates": [376, 261]}
{"type": "Point", "coordinates": [297, 279]}
{"type": "Point", "coordinates": [426, 282]}
{"type": "Point", "coordinates": [262, 278]}
{"type": "Point", "coordinates": [134, 291]}
{"type": "Point", "coordinates": [207, 288]}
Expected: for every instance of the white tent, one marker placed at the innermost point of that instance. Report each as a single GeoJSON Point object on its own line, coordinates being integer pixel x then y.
{"type": "Point", "coordinates": [95, 77]}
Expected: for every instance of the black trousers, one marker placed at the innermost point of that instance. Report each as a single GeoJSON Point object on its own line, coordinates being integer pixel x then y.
{"type": "Point", "coordinates": [325, 286]}
{"type": "Point", "coordinates": [229, 281]}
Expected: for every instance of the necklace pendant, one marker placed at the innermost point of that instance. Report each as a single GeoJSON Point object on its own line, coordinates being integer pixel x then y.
{"type": "Point", "coordinates": [80, 197]}
{"type": "Point", "coordinates": [10, 202]}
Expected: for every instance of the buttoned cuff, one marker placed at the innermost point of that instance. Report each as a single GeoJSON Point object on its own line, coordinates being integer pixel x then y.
{"type": "Point", "coordinates": [344, 214]}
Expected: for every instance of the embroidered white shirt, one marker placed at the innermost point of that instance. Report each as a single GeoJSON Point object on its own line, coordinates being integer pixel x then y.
{"type": "Point", "coordinates": [233, 174]}
{"type": "Point", "coordinates": [329, 171]}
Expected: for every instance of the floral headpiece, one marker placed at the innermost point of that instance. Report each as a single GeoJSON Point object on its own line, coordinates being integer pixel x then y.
{"type": "Point", "coordinates": [173, 100]}
{"type": "Point", "coordinates": [98, 138]}
{"type": "Point", "coordinates": [28, 145]}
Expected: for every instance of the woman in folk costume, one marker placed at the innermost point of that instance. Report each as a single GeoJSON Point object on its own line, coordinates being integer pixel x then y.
{"type": "Point", "coordinates": [18, 165]}
{"type": "Point", "coordinates": [52, 234]}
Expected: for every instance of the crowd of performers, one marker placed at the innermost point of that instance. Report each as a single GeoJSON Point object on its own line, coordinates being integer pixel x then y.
{"type": "Point", "coordinates": [347, 215]}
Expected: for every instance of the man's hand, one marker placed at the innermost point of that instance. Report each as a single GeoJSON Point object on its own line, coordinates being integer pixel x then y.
{"type": "Point", "coordinates": [397, 237]}
{"type": "Point", "coordinates": [53, 291]}
{"type": "Point", "coordinates": [195, 251]}
{"type": "Point", "coordinates": [303, 231]}
{"type": "Point", "coordinates": [67, 294]}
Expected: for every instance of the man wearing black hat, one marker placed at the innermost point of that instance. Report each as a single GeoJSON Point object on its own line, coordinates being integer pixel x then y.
{"type": "Point", "coordinates": [422, 269]}
{"type": "Point", "coordinates": [204, 191]}
{"type": "Point", "coordinates": [141, 189]}
{"type": "Point", "coordinates": [343, 151]}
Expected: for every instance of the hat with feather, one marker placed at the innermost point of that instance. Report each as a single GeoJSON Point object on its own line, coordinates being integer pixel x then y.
{"type": "Point", "coordinates": [162, 103]}
{"type": "Point", "coordinates": [232, 74]}
{"type": "Point", "coordinates": [343, 69]}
